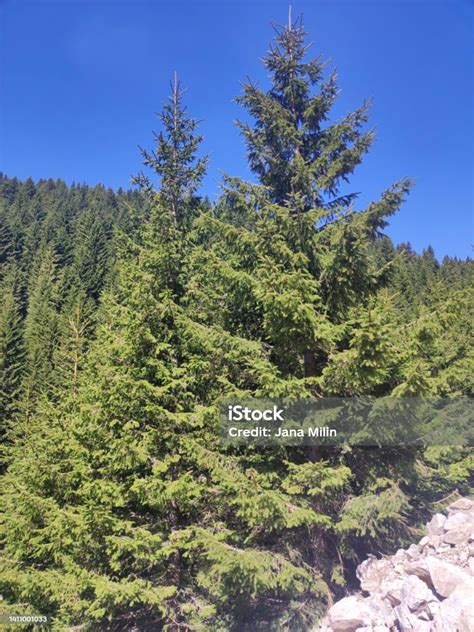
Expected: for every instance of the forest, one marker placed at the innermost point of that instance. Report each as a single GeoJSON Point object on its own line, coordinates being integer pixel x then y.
{"type": "Point", "coordinates": [128, 315]}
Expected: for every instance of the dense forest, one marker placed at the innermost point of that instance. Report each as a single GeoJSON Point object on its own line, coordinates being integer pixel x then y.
{"type": "Point", "coordinates": [127, 316]}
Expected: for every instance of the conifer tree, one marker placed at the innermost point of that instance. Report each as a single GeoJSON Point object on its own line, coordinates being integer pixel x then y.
{"type": "Point", "coordinates": [174, 159]}
{"type": "Point", "coordinates": [91, 257]}
{"type": "Point", "coordinates": [41, 326]}
{"type": "Point", "coordinates": [12, 352]}
{"type": "Point", "coordinates": [121, 508]}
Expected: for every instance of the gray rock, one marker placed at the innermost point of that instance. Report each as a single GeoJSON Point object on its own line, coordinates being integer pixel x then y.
{"type": "Point", "coordinates": [463, 504]}
{"type": "Point", "coordinates": [381, 611]}
{"type": "Point", "coordinates": [427, 588]}
{"type": "Point", "coordinates": [413, 552]}
{"type": "Point", "coordinates": [415, 593]}
{"type": "Point", "coordinates": [446, 577]}
{"type": "Point", "coordinates": [422, 626]}
{"type": "Point", "coordinates": [420, 569]}
{"type": "Point", "coordinates": [424, 541]}
{"type": "Point", "coordinates": [459, 519]}
{"type": "Point", "coordinates": [457, 536]}
{"type": "Point", "coordinates": [455, 614]}
{"type": "Point", "coordinates": [405, 618]}
{"type": "Point", "coordinates": [436, 525]}
{"type": "Point", "coordinates": [371, 573]}
{"type": "Point", "coordinates": [392, 590]}
{"type": "Point", "coordinates": [464, 595]}
{"type": "Point", "coordinates": [471, 565]}
{"type": "Point", "coordinates": [348, 614]}
{"type": "Point", "coordinates": [435, 541]}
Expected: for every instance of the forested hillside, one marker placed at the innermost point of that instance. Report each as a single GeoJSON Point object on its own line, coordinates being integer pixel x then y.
{"type": "Point", "coordinates": [128, 316]}
{"type": "Point", "coordinates": [57, 253]}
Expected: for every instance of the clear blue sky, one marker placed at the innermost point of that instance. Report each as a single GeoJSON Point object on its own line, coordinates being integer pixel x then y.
{"type": "Point", "coordinates": [81, 81]}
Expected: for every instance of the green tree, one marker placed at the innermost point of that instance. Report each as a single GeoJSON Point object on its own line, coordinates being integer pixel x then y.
{"type": "Point", "coordinates": [174, 159]}
{"type": "Point", "coordinates": [41, 327]}
{"type": "Point", "coordinates": [121, 508]}
{"type": "Point", "coordinates": [12, 352]}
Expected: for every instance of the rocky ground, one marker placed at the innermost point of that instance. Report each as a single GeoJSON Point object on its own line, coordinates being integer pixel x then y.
{"type": "Point", "coordinates": [428, 587]}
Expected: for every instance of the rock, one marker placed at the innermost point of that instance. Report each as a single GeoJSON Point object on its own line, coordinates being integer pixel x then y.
{"type": "Point", "coordinates": [413, 552]}
{"type": "Point", "coordinates": [435, 541]}
{"type": "Point", "coordinates": [424, 541]}
{"type": "Point", "coordinates": [464, 595]}
{"type": "Point", "coordinates": [436, 525]}
{"type": "Point", "coordinates": [415, 593]}
{"type": "Point", "coordinates": [348, 614]}
{"type": "Point", "coordinates": [424, 614]}
{"type": "Point", "coordinates": [420, 569]}
{"type": "Point", "coordinates": [371, 573]}
{"type": "Point", "coordinates": [422, 626]}
{"type": "Point", "coordinates": [405, 618]}
{"type": "Point", "coordinates": [459, 519]}
{"type": "Point", "coordinates": [380, 611]}
{"type": "Point", "coordinates": [455, 614]}
{"type": "Point", "coordinates": [427, 588]}
{"type": "Point", "coordinates": [462, 504]}
{"type": "Point", "coordinates": [458, 536]}
{"type": "Point", "coordinates": [392, 590]}
{"type": "Point", "coordinates": [446, 577]}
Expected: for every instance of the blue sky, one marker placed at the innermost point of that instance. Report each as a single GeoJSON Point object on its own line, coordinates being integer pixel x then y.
{"type": "Point", "coordinates": [81, 80]}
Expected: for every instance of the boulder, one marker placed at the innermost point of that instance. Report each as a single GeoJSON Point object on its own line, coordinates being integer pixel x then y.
{"type": "Point", "coordinates": [422, 626]}
{"type": "Point", "coordinates": [446, 577]}
{"type": "Point", "coordinates": [457, 536]}
{"type": "Point", "coordinates": [372, 572]}
{"type": "Point", "coordinates": [415, 593]}
{"type": "Point", "coordinates": [436, 525]}
{"type": "Point", "coordinates": [462, 504]}
{"type": "Point", "coordinates": [348, 614]}
{"type": "Point", "coordinates": [381, 611]}
{"type": "Point", "coordinates": [405, 619]}
{"type": "Point", "coordinates": [424, 541]}
{"type": "Point", "coordinates": [428, 587]}
{"type": "Point", "coordinates": [391, 589]}
{"type": "Point", "coordinates": [420, 569]}
{"type": "Point", "coordinates": [455, 614]}
{"type": "Point", "coordinates": [413, 552]}
{"type": "Point", "coordinates": [459, 519]}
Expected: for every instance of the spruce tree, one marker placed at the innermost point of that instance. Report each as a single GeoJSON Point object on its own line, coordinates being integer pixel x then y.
{"type": "Point", "coordinates": [122, 509]}
{"type": "Point", "coordinates": [41, 327]}
{"type": "Point", "coordinates": [174, 159]}
{"type": "Point", "coordinates": [12, 351]}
